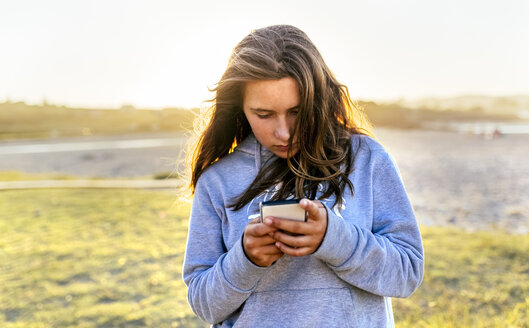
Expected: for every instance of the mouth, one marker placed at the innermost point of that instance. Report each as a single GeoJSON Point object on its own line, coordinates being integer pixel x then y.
{"type": "Point", "coordinates": [283, 148]}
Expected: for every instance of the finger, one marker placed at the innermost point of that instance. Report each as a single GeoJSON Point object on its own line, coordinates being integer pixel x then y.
{"type": "Point", "coordinates": [270, 250]}
{"type": "Point", "coordinates": [300, 251]}
{"type": "Point", "coordinates": [258, 241]}
{"type": "Point", "coordinates": [292, 226]}
{"type": "Point", "coordinates": [313, 208]}
{"type": "Point", "coordinates": [259, 229]}
{"type": "Point", "coordinates": [293, 241]}
{"type": "Point", "coordinates": [255, 221]}
{"type": "Point", "coordinates": [264, 240]}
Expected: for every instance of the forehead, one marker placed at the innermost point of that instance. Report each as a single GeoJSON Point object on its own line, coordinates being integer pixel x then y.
{"type": "Point", "coordinates": [271, 94]}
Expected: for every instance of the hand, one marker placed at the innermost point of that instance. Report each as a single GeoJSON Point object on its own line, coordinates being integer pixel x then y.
{"type": "Point", "coordinates": [258, 244]}
{"type": "Point", "coordinates": [309, 235]}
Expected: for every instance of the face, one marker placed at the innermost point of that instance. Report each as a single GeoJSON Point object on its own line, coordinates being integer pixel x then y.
{"type": "Point", "coordinates": [271, 107]}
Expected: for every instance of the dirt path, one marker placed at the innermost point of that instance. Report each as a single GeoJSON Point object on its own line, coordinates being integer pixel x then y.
{"type": "Point", "coordinates": [105, 157]}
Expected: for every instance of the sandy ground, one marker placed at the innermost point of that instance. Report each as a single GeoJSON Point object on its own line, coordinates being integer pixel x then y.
{"type": "Point", "coordinates": [464, 180]}
{"type": "Point", "coordinates": [453, 179]}
{"type": "Point", "coordinates": [106, 163]}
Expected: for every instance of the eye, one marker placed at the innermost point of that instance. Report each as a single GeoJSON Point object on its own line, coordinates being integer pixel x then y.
{"type": "Point", "coordinates": [294, 112]}
{"type": "Point", "coordinates": [263, 116]}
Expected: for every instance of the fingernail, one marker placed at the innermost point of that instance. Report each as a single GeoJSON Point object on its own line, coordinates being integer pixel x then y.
{"type": "Point", "coordinates": [268, 221]}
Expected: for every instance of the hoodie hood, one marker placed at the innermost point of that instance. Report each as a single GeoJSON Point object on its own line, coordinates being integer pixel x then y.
{"type": "Point", "coordinates": [251, 146]}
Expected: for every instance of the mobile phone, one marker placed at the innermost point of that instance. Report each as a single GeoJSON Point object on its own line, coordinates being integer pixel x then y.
{"type": "Point", "coordinates": [284, 209]}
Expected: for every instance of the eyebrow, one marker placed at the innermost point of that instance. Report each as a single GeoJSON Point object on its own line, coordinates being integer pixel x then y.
{"type": "Point", "coordinates": [270, 110]}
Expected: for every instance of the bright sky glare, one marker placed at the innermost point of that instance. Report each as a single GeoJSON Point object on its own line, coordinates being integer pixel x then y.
{"type": "Point", "coordinates": [162, 53]}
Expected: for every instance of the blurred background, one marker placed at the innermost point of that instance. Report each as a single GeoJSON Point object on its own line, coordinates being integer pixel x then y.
{"type": "Point", "coordinates": [97, 103]}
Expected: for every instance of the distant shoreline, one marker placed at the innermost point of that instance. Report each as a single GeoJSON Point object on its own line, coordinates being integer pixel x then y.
{"type": "Point", "coordinates": [19, 121]}
{"type": "Point", "coordinates": [467, 181]}
{"type": "Point", "coordinates": [480, 127]}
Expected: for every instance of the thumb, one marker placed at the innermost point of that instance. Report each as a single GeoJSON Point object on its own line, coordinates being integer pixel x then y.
{"type": "Point", "coordinates": [311, 207]}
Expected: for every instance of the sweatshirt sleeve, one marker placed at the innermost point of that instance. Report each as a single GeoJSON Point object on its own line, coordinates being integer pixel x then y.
{"type": "Point", "coordinates": [388, 260]}
{"type": "Point", "coordinates": [218, 280]}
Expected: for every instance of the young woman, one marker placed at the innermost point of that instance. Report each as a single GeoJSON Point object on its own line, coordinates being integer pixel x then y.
{"type": "Point", "coordinates": [283, 127]}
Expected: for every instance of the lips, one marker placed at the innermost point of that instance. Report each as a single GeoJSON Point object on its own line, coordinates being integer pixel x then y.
{"type": "Point", "coordinates": [282, 148]}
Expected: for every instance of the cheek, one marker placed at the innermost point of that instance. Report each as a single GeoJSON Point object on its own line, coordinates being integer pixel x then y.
{"type": "Point", "coordinates": [262, 129]}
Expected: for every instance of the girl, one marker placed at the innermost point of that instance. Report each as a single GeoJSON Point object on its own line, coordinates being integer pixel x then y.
{"type": "Point", "coordinates": [283, 127]}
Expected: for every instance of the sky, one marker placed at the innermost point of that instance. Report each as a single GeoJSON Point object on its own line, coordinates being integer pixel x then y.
{"type": "Point", "coordinates": [159, 54]}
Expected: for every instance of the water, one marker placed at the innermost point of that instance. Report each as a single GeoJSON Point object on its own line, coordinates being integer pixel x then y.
{"type": "Point", "coordinates": [486, 128]}
{"type": "Point", "coordinates": [89, 145]}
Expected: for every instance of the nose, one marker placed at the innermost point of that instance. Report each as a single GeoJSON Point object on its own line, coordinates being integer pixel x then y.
{"type": "Point", "coordinates": [282, 130]}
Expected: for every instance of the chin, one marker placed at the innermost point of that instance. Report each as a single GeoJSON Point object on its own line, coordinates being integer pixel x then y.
{"type": "Point", "coordinates": [284, 154]}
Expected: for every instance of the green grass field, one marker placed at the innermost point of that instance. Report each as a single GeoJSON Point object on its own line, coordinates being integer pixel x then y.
{"type": "Point", "coordinates": [113, 258]}
{"type": "Point", "coordinates": [21, 121]}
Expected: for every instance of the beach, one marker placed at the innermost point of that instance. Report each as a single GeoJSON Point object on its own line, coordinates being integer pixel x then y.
{"type": "Point", "coordinates": [464, 180]}
{"type": "Point", "coordinates": [453, 179]}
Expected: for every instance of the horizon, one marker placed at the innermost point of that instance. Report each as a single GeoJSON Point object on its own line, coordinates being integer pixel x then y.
{"type": "Point", "coordinates": [44, 102]}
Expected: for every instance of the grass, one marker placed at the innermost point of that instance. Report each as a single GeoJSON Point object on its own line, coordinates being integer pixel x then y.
{"type": "Point", "coordinates": [7, 176]}
{"type": "Point", "coordinates": [22, 176]}
{"type": "Point", "coordinates": [113, 258]}
{"type": "Point", "coordinates": [478, 279]}
{"type": "Point", "coordinates": [86, 258]}
{"type": "Point", "coordinates": [22, 121]}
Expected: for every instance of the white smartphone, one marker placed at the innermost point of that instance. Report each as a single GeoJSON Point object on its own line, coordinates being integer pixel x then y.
{"type": "Point", "coordinates": [284, 209]}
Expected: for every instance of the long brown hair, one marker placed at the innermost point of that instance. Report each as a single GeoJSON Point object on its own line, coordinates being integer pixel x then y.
{"type": "Point", "coordinates": [325, 121]}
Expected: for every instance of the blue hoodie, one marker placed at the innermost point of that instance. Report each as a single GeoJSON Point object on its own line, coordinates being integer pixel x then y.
{"type": "Point", "coordinates": [372, 250]}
